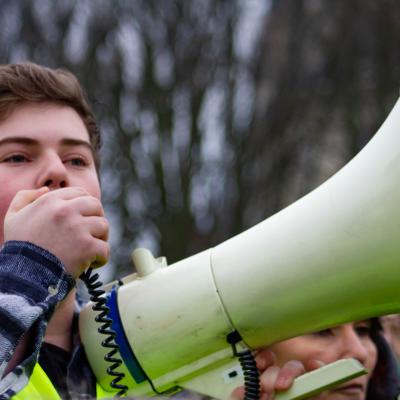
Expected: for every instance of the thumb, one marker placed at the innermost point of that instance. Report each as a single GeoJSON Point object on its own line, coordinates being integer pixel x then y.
{"type": "Point", "coordinates": [25, 197]}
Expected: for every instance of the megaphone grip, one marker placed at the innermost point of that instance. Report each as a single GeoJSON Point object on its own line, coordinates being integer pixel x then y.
{"type": "Point", "coordinates": [322, 379]}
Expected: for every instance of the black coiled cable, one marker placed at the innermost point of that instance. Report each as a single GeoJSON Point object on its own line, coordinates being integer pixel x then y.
{"type": "Point", "coordinates": [251, 375]}
{"type": "Point", "coordinates": [249, 366]}
{"type": "Point", "coordinates": [99, 304]}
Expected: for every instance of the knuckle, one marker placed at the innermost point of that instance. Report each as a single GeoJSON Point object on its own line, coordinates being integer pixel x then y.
{"type": "Point", "coordinates": [87, 243]}
{"type": "Point", "coordinates": [264, 359]}
{"type": "Point", "coordinates": [106, 225]}
{"type": "Point", "coordinates": [96, 202]}
{"type": "Point", "coordinates": [46, 199]}
{"type": "Point", "coordinates": [293, 368]}
{"type": "Point", "coordinates": [61, 211]}
{"type": "Point", "coordinates": [102, 229]}
{"type": "Point", "coordinates": [78, 190]}
{"type": "Point", "coordinates": [104, 248]}
{"type": "Point", "coordinates": [95, 206]}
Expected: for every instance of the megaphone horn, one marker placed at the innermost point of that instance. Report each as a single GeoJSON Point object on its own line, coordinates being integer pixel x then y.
{"type": "Point", "coordinates": [331, 257]}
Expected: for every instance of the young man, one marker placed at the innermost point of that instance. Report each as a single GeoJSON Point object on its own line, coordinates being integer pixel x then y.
{"type": "Point", "coordinates": [52, 227]}
{"type": "Point", "coordinates": [54, 224]}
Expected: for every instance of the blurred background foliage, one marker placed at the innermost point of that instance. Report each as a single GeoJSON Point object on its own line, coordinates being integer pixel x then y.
{"type": "Point", "coordinates": [215, 113]}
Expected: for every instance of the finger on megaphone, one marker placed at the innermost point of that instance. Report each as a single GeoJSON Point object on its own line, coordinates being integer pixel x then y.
{"type": "Point", "coordinates": [26, 197]}
{"type": "Point", "coordinates": [98, 261]}
{"type": "Point", "coordinates": [102, 254]}
{"type": "Point", "coordinates": [265, 358]}
{"type": "Point", "coordinates": [88, 205]}
{"type": "Point", "coordinates": [288, 372]}
{"type": "Point", "coordinates": [268, 379]}
{"type": "Point", "coordinates": [70, 192]}
{"type": "Point", "coordinates": [99, 227]}
{"type": "Point", "coordinates": [311, 365]}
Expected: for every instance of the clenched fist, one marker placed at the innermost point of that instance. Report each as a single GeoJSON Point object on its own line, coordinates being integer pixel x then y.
{"type": "Point", "coordinates": [67, 222]}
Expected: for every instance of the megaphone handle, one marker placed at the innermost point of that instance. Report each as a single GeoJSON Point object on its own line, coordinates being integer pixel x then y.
{"type": "Point", "coordinates": [321, 379]}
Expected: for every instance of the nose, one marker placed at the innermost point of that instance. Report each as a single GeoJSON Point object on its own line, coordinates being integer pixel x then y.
{"type": "Point", "coordinates": [353, 346]}
{"type": "Point", "coordinates": [53, 173]}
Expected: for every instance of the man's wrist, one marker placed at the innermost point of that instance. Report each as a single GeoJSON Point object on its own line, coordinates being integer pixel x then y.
{"type": "Point", "coordinates": [33, 265]}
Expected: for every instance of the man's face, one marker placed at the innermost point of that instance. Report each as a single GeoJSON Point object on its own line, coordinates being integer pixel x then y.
{"type": "Point", "coordinates": [44, 144]}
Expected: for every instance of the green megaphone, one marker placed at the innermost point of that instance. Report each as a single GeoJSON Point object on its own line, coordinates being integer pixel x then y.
{"type": "Point", "coordinates": [331, 257]}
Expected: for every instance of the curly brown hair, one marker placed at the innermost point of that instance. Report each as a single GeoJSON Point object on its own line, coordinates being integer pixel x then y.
{"type": "Point", "coordinates": [33, 83]}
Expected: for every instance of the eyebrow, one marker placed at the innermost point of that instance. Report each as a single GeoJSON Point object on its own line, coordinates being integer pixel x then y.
{"type": "Point", "coordinates": [68, 142]}
{"type": "Point", "coordinates": [18, 139]}
{"type": "Point", "coordinates": [77, 142]}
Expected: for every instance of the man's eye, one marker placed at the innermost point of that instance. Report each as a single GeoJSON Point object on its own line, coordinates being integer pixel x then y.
{"type": "Point", "coordinates": [16, 159]}
{"type": "Point", "coordinates": [78, 162]}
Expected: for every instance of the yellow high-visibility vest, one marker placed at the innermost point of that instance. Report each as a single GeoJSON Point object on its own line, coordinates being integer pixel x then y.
{"type": "Point", "coordinates": [40, 387]}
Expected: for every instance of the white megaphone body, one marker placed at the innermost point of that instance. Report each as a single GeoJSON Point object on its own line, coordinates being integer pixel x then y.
{"type": "Point", "coordinates": [331, 257]}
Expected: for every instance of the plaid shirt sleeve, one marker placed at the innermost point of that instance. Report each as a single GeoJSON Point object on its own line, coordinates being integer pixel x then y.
{"type": "Point", "coordinates": [32, 283]}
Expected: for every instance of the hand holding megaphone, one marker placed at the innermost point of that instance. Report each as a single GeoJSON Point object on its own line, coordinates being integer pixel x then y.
{"type": "Point", "coordinates": [58, 221]}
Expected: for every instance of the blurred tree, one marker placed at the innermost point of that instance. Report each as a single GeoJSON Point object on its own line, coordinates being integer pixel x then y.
{"type": "Point", "coordinates": [327, 77]}
{"type": "Point", "coordinates": [210, 126]}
